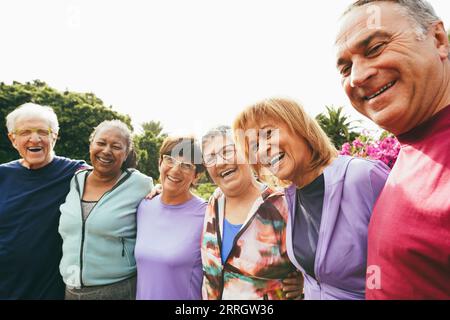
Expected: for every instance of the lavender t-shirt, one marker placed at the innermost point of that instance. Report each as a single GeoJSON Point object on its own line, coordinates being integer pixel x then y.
{"type": "Point", "coordinates": [167, 251]}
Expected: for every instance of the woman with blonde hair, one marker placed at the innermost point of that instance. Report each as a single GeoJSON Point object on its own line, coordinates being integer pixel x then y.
{"type": "Point", "coordinates": [330, 197]}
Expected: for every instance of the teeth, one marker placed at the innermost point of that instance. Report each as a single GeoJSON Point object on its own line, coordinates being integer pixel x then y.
{"type": "Point", "coordinates": [227, 172]}
{"type": "Point", "coordinates": [380, 91]}
{"type": "Point", "coordinates": [173, 179]}
{"type": "Point", "coordinates": [104, 160]}
{"type": "Point", "coordinates": [277, 158]}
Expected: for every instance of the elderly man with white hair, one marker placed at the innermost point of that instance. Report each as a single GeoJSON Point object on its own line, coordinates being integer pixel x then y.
{"type": "Point", "coordinates": [31, 191]}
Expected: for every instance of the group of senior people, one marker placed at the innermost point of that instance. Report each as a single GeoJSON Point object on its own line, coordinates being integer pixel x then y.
{"type": "Point", "coordinates": [346, 226]}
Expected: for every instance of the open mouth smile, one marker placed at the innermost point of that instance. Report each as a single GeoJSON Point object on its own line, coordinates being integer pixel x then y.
{"type": "Point", "coordinates": [173, 179]}
{"type": "Point", "coordinates": [277, 158]}
{"type": "Point", "coordinates": [35, 149]}
{"type": "Point", "coordinates": [104, 160]}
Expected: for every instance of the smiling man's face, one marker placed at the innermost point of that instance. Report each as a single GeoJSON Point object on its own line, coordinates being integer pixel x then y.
{"type": "Point", "coordinates": [35, 147]}
{"type": "Point", "coordinates": [389, 74]}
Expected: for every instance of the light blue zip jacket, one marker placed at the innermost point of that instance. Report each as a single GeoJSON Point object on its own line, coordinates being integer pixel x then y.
{"type": "Point", "coordinates": [100, 251]}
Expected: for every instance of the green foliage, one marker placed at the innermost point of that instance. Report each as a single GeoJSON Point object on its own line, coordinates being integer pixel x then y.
{"type": "Point", "coordinates": [147, 145]}
{"type": "Point", "coordinates": [205, 190]}
{"type": "Point", "coordinates": [78, 114]}
{"type": "Point", "coordinates": [337, 126]}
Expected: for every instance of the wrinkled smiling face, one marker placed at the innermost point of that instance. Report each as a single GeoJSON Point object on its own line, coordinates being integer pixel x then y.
{"type": "Point", "coordinates": [34, 142]}
{"type": "Point", "coordinates": [108, 151]}
{"type": "Point", "coordinates": [176, 175]}
{"type": "Point", "coordinates": [389, 74]}
{"type": "Point", "coordinates": [229, 169]}
{"type": "Point", "coordinates": [280, 150]}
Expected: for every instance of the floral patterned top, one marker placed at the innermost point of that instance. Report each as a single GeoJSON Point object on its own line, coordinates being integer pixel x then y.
{"type": "Point", "coordinates": [258, 260]}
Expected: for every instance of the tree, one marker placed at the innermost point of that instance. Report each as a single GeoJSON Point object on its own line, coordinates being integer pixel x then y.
{"type": "Point", "coordinates": [337, 126]}
{"type": "Point", "coordinates": [147, 147]}
{"type": "Point", "coordinates": [78, 114]}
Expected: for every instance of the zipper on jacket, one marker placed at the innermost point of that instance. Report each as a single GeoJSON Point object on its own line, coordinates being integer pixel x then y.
{"type": "Point", "coordinates": [123, 246]}
{"type": "Point", "coordinates": [81, 250]}
{"type": "Point", "coordinates": [83, 229]}
{"type": "Point", "coordinates": [236, 238]}
{"type": "Point", "coordinates": [219, 242]}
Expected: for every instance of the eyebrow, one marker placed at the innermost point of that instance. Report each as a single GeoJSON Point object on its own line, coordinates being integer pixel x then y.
{"type": "Point", "coordinates": [365, 42]}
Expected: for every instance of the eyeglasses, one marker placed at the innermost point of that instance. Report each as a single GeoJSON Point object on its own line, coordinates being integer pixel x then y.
{"type": "Point", "coordinates": [172, 162]}
{"type": "Point", "coordinates": [226, 153]}
{"type": "Point", "coordinates": [43, 133]}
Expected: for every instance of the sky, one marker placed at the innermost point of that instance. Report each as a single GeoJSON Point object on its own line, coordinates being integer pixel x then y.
{"type": "Point", "coordinates": [190, 64]}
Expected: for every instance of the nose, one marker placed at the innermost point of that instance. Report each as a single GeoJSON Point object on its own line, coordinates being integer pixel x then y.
{"type": "Point", "coordinates": [34, 137]}
{"type": "Point", "coordinates": [107, 149]}
{"type": "Point", "coordinates": [361, 72]}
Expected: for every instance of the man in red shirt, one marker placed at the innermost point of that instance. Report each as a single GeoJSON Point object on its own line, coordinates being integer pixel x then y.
{"type": "Point", "coordinates": [393, 57]}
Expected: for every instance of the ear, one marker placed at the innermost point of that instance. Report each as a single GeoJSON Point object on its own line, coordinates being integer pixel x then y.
{"type": "Point", "coordinates": [196, 178]}
{"type": "Point", "coordinates": [12, 139]}
{"type": "Point", "coordinates": [441, 39]}
{"type": "Point", "coordinates": [55, 138]}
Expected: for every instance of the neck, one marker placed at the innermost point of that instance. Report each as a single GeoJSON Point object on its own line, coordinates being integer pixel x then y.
{"type": "Point", "coordinates": [102, 179]}
{"type": "Point", "coordinates": [440, 101]}
{"type": "Point", "coordinates": [29, 166]}
{"type": "Point", "coordinates": [305, 179]}
{"type": "Point", "coordinates": [173, 200]}
{"type": "Point", "coordinates": [248, 194]}
{"type": "Point", "coordinates": [444, 101]}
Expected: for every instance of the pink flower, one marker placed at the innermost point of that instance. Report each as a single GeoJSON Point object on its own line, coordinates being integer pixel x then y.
{"type": "Point", "coordinates": [346, 149]}
{"type": "Point", "coordinates": [385, 150]}
{"type": "Point", "coordinates": [357, 143]}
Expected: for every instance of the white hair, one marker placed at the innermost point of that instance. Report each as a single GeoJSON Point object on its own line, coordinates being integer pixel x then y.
{"type": "Point", "coordinates": [420, 12]}
{"type": "Point", "coordinates": [32, 111]}
{"type": "Point", "coordinates": [115, 124]}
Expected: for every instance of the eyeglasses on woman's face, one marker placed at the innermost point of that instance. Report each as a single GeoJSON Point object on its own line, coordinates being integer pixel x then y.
{"type": "Point", "coordinates": [172, 162]}
{"type": "Point", "coordinates": [226, 153]}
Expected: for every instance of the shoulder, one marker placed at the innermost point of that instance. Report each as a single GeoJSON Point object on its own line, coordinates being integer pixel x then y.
{"type": "Point", "coordinates": [275, 198]}
{"type": "Point", "coordinates": [366, 169]}
{"type": "Point", "coordinates": [9, 169]}
{"type": "Point", "coordinates": [272, 194]}
{"type": "Point", "coordinates": [365, 178]}
{"type": "Point", "coordinates": [139, 176]}
{"type": "Point", "coordinates": [215, 196]}
{"type": "Point", "coordinates": [149, 204]}
{"type": "Point", "coordinates": [10, 165]}
{"type": "Point", "coordinates": [197, 207]}
{"type": "Point", "coordinates": [70, 164]}
{"type": "Point", "coordinates": [199, 201]}
{"type": "Point", "coordinates": [139, 180]}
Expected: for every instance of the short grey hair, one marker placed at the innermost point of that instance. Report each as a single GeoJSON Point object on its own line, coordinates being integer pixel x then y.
{"type": "Point", "coordinates": [420, 12]}
{"type": "Point", "coordinates": [115, 124]}
{"type": "Point", "coordinates": [219, 131]}
{"type": "Point", "coordinates": [32, 111]}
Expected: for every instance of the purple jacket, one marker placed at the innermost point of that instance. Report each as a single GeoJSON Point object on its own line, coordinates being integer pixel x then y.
{"type": "Point", "coordinates": [352, 186]}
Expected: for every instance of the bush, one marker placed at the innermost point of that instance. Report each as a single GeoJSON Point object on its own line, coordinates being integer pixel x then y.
{"type": "Point", "coordinates": [205, 190]}
{"type": "Point", "coordinates": [386, 148]}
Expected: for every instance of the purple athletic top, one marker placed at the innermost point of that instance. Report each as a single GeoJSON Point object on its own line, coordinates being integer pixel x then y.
{"type": "Point", "coordinates": [167, 251]}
